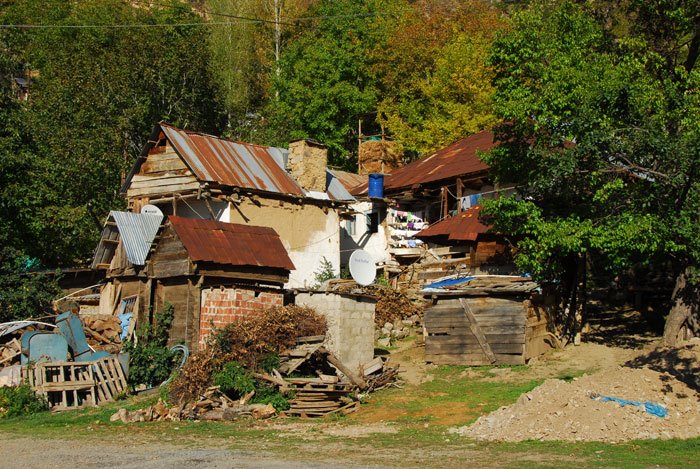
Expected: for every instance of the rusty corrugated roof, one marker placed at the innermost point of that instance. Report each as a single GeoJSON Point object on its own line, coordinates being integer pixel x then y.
{"type": "Point", "coordinates": [455, 160]}
{"type": "Point", "coordinates": [231, 244]}
{"type": "Point", "coordinates": [464, 226]}
{"type": "Point", "coordinates": [349, 180]}
{"type": "Point", "coordinates": [232, 163]}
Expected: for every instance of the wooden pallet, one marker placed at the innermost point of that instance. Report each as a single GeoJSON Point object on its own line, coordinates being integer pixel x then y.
{"type": "Point", "coordinates": [65, 385]}
{"type": "Point", "coordinates": [70, 385]}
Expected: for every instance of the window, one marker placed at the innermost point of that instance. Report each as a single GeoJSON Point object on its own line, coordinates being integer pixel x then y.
{"type": "Point", "coordinates": [350, 227]}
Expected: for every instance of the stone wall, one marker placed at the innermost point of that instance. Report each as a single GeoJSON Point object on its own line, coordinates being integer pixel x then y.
{"type": "Point", "coordinates": [350, 325]}
{"type": "Point", "coordinates": [222, 306]}
{"type": "Point", "coordinates": [308, 162]}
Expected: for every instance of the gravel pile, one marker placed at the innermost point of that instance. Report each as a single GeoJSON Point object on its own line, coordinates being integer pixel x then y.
{"type": "Point", "coordinates": [560, 410]}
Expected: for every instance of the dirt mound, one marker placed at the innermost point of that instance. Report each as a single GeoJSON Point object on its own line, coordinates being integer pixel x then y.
{"type": "Point", "coordinates": [560, 410]}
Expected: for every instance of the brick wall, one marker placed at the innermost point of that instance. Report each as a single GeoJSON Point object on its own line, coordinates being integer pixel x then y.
{"type": "Point", "coordinates": [222, 306]}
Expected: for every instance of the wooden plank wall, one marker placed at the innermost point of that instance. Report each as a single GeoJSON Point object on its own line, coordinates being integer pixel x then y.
{"type": "Point", "coordinates": [540, 325]}
{"type": "Point", "coordinates": [184, 295]}
{"type": "Point", "coordinates": [170, 258]}
{"type": "Point", "coordinates": [450, 340]}
{"type": "Point", "coordinates": [162, 174]}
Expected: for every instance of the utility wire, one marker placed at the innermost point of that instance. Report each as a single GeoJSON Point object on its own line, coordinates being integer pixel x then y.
{"type": "Point", "coordinates": [241, 20]}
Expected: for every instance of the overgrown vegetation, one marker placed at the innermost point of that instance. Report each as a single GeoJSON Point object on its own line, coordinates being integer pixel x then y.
{"type": "Point", "coordinates": [20, 400]}
{"type": "Point", "coordinates": [150, 360]}
{"type": "Point", "coordinates": [236, 382]}
{"type": "Point", "coordinates": [242, 347]}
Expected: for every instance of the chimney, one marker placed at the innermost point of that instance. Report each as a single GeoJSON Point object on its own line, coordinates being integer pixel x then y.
{"type": "Point", "coordinates": [307, 164]}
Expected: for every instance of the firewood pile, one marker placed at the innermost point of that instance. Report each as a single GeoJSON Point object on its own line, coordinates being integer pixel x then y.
{"type": "Point", "coordinates": [102, 332]}
{"type": "Point", "coordinates": [212, 405]}
{"type": "Point", "coordinates": [334, 390]}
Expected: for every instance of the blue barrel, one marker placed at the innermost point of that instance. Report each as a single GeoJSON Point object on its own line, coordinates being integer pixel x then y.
{"type": "Point", "coordinates": [376, 185]}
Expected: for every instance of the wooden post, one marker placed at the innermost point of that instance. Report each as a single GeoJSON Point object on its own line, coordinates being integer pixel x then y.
{"type": "Point", "coordinates": [460, 187]}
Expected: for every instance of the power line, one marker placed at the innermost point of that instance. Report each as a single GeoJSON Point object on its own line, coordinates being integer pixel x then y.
{"type": "Point", "coordinates": [241, 20]}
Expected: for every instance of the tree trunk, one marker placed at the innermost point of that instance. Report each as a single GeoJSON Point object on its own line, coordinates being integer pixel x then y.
{"type": "Point", "coordinates": [685, 306]}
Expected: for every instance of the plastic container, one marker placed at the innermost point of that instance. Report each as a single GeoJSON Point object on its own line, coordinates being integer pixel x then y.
{"type": "Point", "coordinates": [376, 186]}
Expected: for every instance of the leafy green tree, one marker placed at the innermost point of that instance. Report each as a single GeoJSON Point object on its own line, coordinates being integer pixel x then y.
{"type": "Point", "coordinates": [98, 92]}
{"type": "Point", "coordinates": [325, 83]}
{"type": "Point", "coordinates": [603, 139]}
{"type": "Point", "coordinates": [434, 77]}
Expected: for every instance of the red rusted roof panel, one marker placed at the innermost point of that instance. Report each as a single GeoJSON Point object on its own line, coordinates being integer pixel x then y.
{"type": "Point", "coordinates": [459, 159]}
{"type": "Point", "coordinates": [231, 163]}
{"type": "Point", "coordinates": [231, 244]}
{"type": "Point", "coordinates": [349, 180]}
{"type": "Point", "coordinates": [464, 226]}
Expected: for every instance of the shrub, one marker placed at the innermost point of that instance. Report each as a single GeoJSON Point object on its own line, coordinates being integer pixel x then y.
{"type": "Point", "coordinates": [234, 380]}
{"type": "Point", "coordinates": [20, 400]}
{"type": "Point", "coordinates": [150, 360]}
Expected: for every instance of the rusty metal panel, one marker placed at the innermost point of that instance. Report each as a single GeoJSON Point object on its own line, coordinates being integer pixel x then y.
{"type": "Point", "coordinates": [231, 163]}
{"type": "Point", "coordinates": [231, 244]}
{"type": "Point", "coordinates": [464, 226]}
{"type": "Point", "coordinates": [459, 159]}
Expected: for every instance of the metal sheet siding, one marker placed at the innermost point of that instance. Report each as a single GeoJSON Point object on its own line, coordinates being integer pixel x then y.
{"type": "Point", "coordinates": [233, 163]}
{"type": "Point", "coordinates": [137, 232]}
{"type": "Point", "coordinates": [335, 188]}
{"type": "Point", "coordinates": [231, 244]}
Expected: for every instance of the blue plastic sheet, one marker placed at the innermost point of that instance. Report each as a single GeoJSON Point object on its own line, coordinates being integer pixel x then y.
{"type": "Point", "coordinates": [650, 407]}
{"type": "Point", "coordinates": [449, 282]}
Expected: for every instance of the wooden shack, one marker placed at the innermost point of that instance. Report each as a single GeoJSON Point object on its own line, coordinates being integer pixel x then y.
{"type": "Point", "coordinates": [502, 323]}
{"type": "Point", "coordinates": [214, 273]}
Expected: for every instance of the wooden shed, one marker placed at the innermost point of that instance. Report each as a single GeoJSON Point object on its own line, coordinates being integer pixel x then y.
{"type": "Point", "coordinates": [488, 323]}
{"type": "Point", "coordinates": [214, 273]}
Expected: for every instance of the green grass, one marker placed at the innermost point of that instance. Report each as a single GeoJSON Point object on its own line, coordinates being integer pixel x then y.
{"type": "Point", "coordinates": [418, 413]}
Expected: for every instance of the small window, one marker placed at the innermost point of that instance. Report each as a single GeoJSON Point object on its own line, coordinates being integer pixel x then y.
{"type": "Point", "coordinates": [350, 227]}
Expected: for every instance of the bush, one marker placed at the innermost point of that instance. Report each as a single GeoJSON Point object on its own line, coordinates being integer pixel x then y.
{"type": "Point", "coordinates": [150, 360]}
{"type": "Point", "coordinates": [234, 380]}
{"type": "Point", "coordinates": [20, 400]}
{"type": "Point", "coordinates": [253, 344]}
{"type": "Point", "coordinates": [252, 340]}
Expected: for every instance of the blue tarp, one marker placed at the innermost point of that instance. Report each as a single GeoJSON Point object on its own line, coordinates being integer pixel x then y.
{"type": "Point", "coordinates": [449, 282]}
{"type": "Point", "coordinates": [650, 407]}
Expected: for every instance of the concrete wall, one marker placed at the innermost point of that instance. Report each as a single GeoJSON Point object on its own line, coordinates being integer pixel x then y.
{"type": "Point", "coordinates": [308, 233]}
{"type": "Point", "coordinates": [223, 306]}
{"type": "Point", "coordinates": [350, 325]}
{"type": "Point", "coordinates": [376, 244]}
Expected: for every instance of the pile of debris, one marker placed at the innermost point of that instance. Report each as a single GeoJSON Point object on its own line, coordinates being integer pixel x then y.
{"type": "Point", "coordinates": [335, 389]}
{"type": "Point", "coordinates": [103, 332]}
{"type": "Point", "coordinates": [588, 409]}
{"type": "Point", "coordinates": [399, 329]}
{"type": "Point", "coordinates": [212, 405]}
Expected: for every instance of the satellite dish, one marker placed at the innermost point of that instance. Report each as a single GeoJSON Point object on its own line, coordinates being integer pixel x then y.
{"type": "Point", "coordinates": [150, 209]}
{"type": "Point", "coordinates": [362, 267]}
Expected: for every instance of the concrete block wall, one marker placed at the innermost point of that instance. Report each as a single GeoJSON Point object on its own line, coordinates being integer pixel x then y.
{"type": "Point", "coordinates": [350, 325]}
{"type": "Point", "coordinates": [223, 306]}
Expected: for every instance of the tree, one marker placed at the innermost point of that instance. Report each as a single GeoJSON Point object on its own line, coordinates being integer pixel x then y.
{"type": "Point", "coordinates": [602, 138]}
{"type": "Point", "coordinates": [325, 84]}
{"type": "Point", "coordinates": [98, 93]}
{"type": "Point", "coordinates": [434, 78]}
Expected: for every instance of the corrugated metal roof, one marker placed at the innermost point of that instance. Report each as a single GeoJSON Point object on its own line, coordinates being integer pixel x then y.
{"type": "Point", "coordinates": [455, 160]}
{"type": "Point", "coordinates": [136, 232]}
{"type": "Point", "coordinates": [335, 188]}
{"type": "Point", "coordinates": [231, 244]}
{"type": "Point", "coordinates": [231, 163]}
{"type": "Point", "coordinates": [349, 180]}
{"type": "Point", "coordinates": [464, 226]}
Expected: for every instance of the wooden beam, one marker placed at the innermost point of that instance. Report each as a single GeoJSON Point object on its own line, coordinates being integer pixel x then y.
{"type": "Point", "coordinates": [476, 330]}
